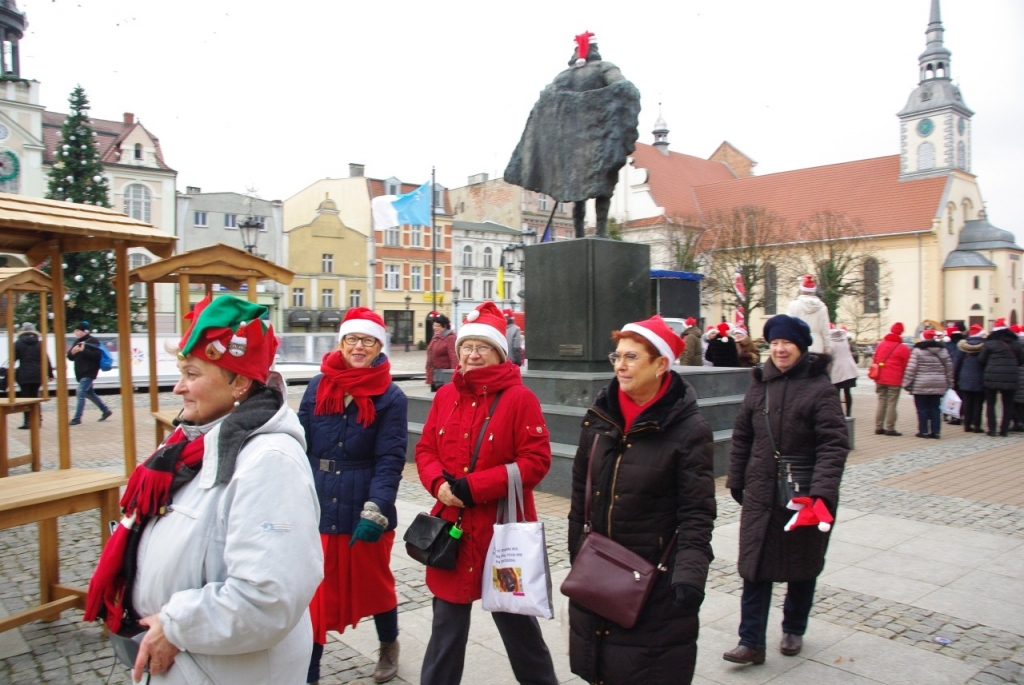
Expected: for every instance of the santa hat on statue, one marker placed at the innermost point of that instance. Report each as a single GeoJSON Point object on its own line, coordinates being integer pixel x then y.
{"type": "Point", "coordinates": [485, 322]}
{"type": "Point", "coordinates": [658, 333]}
{"type": "Point", "coordinates": [807, 284]}
{"type": "Point", "coordinates": [363, 321]}
{"type": "Point", "coordinates": [999, 325]}
{"type": "Point", "coordinates": [583, 43]}
{"type": "Point", "coordinates": [810, 511]}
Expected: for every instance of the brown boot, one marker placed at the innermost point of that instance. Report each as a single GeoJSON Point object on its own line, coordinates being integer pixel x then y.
{"type": "Point", "coordinates": [387, 664]}
{"type": "Point", "coordinates": [744, 655]}
{"type": "Point", "coordinates": [791, 644]}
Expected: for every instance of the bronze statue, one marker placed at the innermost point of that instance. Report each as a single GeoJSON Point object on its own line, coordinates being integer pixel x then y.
{"type": "Point", "coordinates": [579, 135]}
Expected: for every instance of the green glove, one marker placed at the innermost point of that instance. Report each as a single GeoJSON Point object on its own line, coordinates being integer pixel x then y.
{"type": "Point", "coordinates": [367, 531]}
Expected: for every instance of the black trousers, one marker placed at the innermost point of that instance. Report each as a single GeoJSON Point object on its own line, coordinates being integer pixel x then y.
{"type": "Point", "coordinates": [28, 390]}
{"type": "Point", "coordinates": [973, 403]}
{"type": "Point", "coordinates": [990, 409]}
{"type": "Point", "coordinates": [446, 652]}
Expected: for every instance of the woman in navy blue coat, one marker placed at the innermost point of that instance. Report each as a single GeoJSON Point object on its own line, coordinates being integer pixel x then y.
{"type": "Point", "coordinates": [355, 420]}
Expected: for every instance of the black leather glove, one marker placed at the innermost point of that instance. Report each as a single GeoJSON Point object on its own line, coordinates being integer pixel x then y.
{"type": "Point", "coordinates": [460, 488]}
{"type": "Point", "coordinates": [688, 597]}
{"type": "Point", "coordinates": [737, 494]}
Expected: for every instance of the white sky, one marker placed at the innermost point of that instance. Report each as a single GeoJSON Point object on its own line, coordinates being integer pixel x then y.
{"type": "Point", "coordinates": [279, 94]}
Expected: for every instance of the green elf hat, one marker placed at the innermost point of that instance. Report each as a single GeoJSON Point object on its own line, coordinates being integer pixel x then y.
{"type": "Point", "coordinates": [230, 333]}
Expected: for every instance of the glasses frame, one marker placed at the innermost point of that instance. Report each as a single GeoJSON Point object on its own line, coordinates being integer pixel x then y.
{"type": "Point", "coordinates": [360, 339]}
{"type": "Point", "coordinates": [476, 349]}
{"type": "Point", "coordinates": [614, 358]}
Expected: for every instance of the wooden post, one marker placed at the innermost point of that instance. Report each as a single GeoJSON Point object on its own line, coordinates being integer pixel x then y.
{"type": "Point", "coordinates": [11, 333]}
{"type": "Point", "coordinates": [124, 335]}
{"type": "Point", "coordinates": [60, 368]}
{"type": "Point", "coordinates": [183, 302]}
{"type": "Point", "coordinates": [251, 287]}
{"type": "Point", "coordinates": [45, 358]}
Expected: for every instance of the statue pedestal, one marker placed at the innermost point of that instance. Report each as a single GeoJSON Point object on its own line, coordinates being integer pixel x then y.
{"type": "Point", "coordinates": [577, 293]}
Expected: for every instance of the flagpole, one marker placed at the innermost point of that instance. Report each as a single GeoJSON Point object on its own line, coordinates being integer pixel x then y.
{"type": "Point", "coordinates": [433, 244]}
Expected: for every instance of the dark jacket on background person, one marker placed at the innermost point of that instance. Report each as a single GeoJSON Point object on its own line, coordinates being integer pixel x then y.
{"type": "Point", "coordinates": [806, 419]}
{"type": "Point", "coordinates": [892, 356]}
{"type": "Point", "coordinates": [952, 346]}
{"type": "Point", "coordinates": [722, 352]}
{"type": "Point", "coordinates": [87, 362]}
{"type": "Point", "coordinates": [691, 355]}
{"type": "Point", "coordinates": [28, 353]}
{"type": "Point", "coordinates": [1000, 357]}
{"type": "Point", "coordinates": [968, 375]}
{"type": "Point", "coordinates": [648, 483]}
{"type": "Point", "coordinates": [930, 371]}
{"type": "Point", "coordinates": [353, 464]}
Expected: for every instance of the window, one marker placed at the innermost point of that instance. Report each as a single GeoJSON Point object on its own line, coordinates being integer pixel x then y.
{"type": "Point", "coordinates": [871, 286]}
{"type": "Point", "coordinates": [467, 289]}
{"type": "Point", "coordinates": [771, 290]}
{"type": "Point", "coordinates": [925, 156]}
{"type": "Point", "coordinates": [327, 298]}
{"type": "Point", "coordinates": [138, 151]}
{"type": "Point", "coordinates": [230, 221]}
{"type": "Point", "coordinates": [542, 203]}
{"type": "Point", "coordinates": [467, 256]}
{"type": "Point", "coordinates": [392, 186]}
{"type": "Point", "coordinates": [439, 278]}
{"type": "Point", "coordinates": [199, 219]}
{"type": "Point", "coordinates": [392, 235]}
{"type": "Point", "coordinates": [438, 197]}
{"type": "Point", "coordinates": [416, 278]}
{"type": "Point", "coordinates": [488, 258]}
{"type": "Point", "coordinates": [298, 297]}
{"type": "Point", "coordinates": [950, 212]}
{"type": "Point", "coordinates": [135, 260]}
{"type": "Point", "coordinates": [136, 202]}
{"type": "Point", "coordinates": [415, 236]}
{"type": "Point", "coordinates": [977, 282]}
{"type": "Point", "coordinates": [355, 298]}
{"type": "Point", "coordinates": [562, 207]}
{"type": "Point", "coordinates": [392, 274]}
{"type": "Point", "coordinates": [967, 210]}
{"type": "Point", "coordinates": [327, 263]}
{"type": "Point", "coordinates": [488, 290]}
{"type": "Point", "coordinates": [508, 290]}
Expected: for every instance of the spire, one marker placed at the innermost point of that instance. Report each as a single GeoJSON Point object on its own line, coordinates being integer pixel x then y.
{"type": "Point", "coordinates": [660, 133]}
{"type": "Point", "coordinates": [935, 60]}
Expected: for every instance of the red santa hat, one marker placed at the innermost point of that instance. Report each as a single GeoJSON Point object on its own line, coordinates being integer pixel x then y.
{"type": "Point", "coordinates": [807, 284]}
{"type": "Point", "coordinates": [230, 332]}
{"type": "Point", "coordinates": [975, 329]}
{"type": "Point", "coordinates": [810, 511]}
{"type": "Point", "coordinates": [658, 333]}
{"type": "Point", "coordinates": [999, 325]}
{"type": "Point", "coordinates": [363, 321]}
{"type": "Point", "coordinates": [952, 330]}
{"type": "Point", "coordinates": [486, 323]}
{"type": "Point", "coordinates": [690, 321]}
{"type": "Point", "coordinates": [723, 329]}
{"type": "Point", "coordinates": [928, 334]}
{"type": "Point", "coordinates": [583, 42]}
{"type": "Point", "coordinates": [897, 328]}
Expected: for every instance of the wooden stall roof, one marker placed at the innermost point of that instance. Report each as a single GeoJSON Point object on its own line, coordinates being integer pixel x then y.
{"type": "Point", "coordinates": [28, 224]}
{"type": "Point", "coordinates": [218, 263]}
{"type": "Point", "coordinates": [24, 279]}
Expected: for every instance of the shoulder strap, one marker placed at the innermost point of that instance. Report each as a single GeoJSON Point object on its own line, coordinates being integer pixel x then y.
{"type": "Point", "coordinates": [483, 429]}
{"type": "Point", "coordinates": [768, 423]}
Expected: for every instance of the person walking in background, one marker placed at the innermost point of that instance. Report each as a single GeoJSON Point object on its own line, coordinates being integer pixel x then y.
{"type": "Point", "coordinates": [1000, 356]}
{"type": "Point", "coordinates": [809, 308]}
{"type": "Point", "coordinates": [746, 351]}
{"type": "Point", "coordinates": [355, 422]}
{"type": "Point", "coordinates": [892, 356]}
{"type": "Point", "coordinates": [85, 353]}
{"type": "Point", "coordinates": [692, 354]}
{"type": "Point", "coordinates": [441, 350]}
{"type": "Point", "coordinates": [653, 481]}
{"type": "Point", "coordinates": [28, 354]}
{"type": "Point", "coordinates": [928, 376]}
{"type": "Point", "coordinates": [969, 378]}
{"type": "Point", "coordinates": [721, 350]}
{"type": "Point", "coordinates": [791, 392]}
{"type": "Point", "coordinates": [843, 371]}
{"type": "Point", "coordinates": [514, 337]}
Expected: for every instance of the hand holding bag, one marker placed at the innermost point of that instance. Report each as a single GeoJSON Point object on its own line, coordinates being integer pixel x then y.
{"type": "Point", "coordinates": [795, 472]}
{"type": "Point", "coordinates": [517, 578]}
{"type": "Point", "coordinates": [606, 578]}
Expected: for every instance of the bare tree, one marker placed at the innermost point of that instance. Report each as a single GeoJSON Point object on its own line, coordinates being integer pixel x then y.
{"type": "Point", "coordinates": [683, 243]}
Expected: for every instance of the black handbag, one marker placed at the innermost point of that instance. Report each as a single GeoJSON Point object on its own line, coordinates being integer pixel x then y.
{"type": "Point", "coordinates": [794, 472]}
{"type": "Point", "coordinates": [432, 540]}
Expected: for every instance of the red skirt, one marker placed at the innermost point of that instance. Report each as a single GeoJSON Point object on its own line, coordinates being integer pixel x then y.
{"type": "Point", "coordinates": [357, 583]}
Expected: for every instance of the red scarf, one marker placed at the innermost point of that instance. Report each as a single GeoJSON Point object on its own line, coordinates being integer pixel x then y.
{"type": "Point", "coordinates": [147, 495]}
{"type": "Point", "coordinates": [362, 384]}
{"type": "Point", "coordinates": [631, 410]}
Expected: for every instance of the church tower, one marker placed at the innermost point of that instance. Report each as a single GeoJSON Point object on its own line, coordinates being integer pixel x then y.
{"type": "Point", "coordinates": [935, 125]}
{"type": "Point", "coordinates": [660, 134]}
{"type": "Point", "coordinates": [21, 116]}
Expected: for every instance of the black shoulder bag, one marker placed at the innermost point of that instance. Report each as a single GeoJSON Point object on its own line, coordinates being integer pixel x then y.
{"type": "Point", "coordinates": [795, 472]}
{"type": "Point", "coordinates": [433, 541]}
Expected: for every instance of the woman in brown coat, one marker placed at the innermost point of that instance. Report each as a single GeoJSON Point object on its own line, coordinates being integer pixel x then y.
{"type": "Point", "coordinates": [806, 419]}
{"type": "Point", "coordinates": [441, 350]}
{"type": "Point", "coordinates": [748, 353]}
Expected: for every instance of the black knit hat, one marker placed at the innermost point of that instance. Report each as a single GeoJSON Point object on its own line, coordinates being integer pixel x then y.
{"type": "Point", "coordinates": [788, 328]}
{"type": "Point", "coordinates": [83, 326]}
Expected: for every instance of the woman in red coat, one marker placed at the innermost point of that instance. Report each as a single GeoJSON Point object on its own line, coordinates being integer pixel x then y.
{"type": "Point", "coordinates": [485, 383]}
{"type": "Point", "coordinates": [441, 350]}
{"type": "Point", "coordinates": [892, 356]}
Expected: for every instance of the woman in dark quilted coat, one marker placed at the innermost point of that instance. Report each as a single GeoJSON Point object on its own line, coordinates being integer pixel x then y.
{"type": "Point", "coordinates": [968, 379]}
{"type": "Point", "coordinates": [1000, 357]}
{"type": "Point", "coordinates": [652, 479]}
{"type": "Point", "coordinates": [806, 419]}
{"type": "Point", "coordinates": [928, 376]}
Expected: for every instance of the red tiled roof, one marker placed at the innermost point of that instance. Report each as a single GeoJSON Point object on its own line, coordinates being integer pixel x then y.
{"type": "Point", "coordinates": [109, 135]}
{"type": "Point", "coordinates": [673, 177]}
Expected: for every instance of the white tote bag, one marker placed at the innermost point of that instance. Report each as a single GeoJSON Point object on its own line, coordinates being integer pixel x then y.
{"type": "Point", "coordinates": [950, 404]}
{"type": "Point", "coordinates": [516, 578]}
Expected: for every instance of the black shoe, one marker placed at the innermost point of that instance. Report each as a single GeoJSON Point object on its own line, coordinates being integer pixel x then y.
{"type": "Point", "coordinates": [992, 434]}
{"type": "Point", "coordinates": [933, 436]}
{"type": "Point", "coordinates": [106, 415]}
{"type": "Point", "coordinates": [24, 427]}
{"type": "Point", "coordinates": [921, 435]}
{"type": "Point", "coordinates": [75, 422]}
{"type": "Point", "coordinates": [978, 429]}
{"type": "Point", "coordinates": [1019, 428]}
{"type": "Point", "coordinates": [879, 431]}
{"type": "Point", "coordinates": [896, 433]}
{"type": "Point", "coordinates": [1004, 434]}
{"type": "Point", "coordinates": [955, 422]}
{"type": "Point", "coordinates": [791, 644]}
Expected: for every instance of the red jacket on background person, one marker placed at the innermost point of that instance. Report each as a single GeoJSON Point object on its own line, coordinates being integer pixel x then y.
{"type": "Point", "coordinates": [441, 353]}
{"type": "Point", "coordinates": [892, 356]}
{"type": "Point", "coordinates": [516, 433]}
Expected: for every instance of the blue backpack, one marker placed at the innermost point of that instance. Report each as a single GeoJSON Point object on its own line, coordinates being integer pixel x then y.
{"type": "Point", "coordinates": [106, 359]}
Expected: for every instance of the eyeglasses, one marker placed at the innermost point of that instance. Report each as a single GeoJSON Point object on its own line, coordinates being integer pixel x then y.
{"type": "Point", "coordinates": [630, 358]}
{"type": "Point", "coordinates": [481, 350]}
{"type": "Point", "coordinates": [353, 340]}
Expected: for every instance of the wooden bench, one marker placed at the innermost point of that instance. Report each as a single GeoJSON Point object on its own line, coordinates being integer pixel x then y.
{"type": "Point", "coordinates": [42, 497]}
{"type": "Point", "coordinates": [164, 423]}
{"type": "Point", "coordinates": [21, 405]}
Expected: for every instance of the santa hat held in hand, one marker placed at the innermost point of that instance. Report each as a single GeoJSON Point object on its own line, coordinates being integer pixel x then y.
{"type": "Point", "coordinates": [810, 511]}
{"type": "Point", "coordinates": [807, 284]}
{"type": "Point", "coordinates": [658, 333]}
{"type": "Point", "coordinates": [363, 321]}
{"type": "Point", "coordinates": [485, 322]}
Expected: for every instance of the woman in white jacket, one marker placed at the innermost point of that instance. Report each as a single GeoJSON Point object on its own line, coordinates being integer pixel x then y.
{"type": "Point", "coordinates": [214, 565]}
{"type": "Point", "coordinates": [843, 370]}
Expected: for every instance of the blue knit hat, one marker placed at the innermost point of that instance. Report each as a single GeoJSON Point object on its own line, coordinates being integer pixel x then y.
{"type": "Point", "coordinates": [788, 328]}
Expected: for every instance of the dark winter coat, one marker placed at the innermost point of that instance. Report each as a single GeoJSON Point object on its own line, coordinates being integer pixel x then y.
{"type": "Point", "coordinates": [351, 464]}
{"type": "Point", "coordinates": [1000, 357]}
{"type": "Point", "coordinates": [806, 419]}
{"type": "Point", "coordinates": [967, 371]}
{"type": "Point", "coordinates": [951, 346]}
{"type": "Point", "coordinates": [28, 353]}
{"type": "Point", "coordinates": [1019, 396]}
{"type": "Point", "coordinates": [87, 361]}
{"type": "Point", "coordinates": [722, 352]}
{"type": "Point", "coordinates": [930, 371]}
{"type": "Point", "coordinates": [656, 479]}
{"type": "Point", "coordinates": [691, 355]}
{"type": "Point", "coordinates": [892, 356]}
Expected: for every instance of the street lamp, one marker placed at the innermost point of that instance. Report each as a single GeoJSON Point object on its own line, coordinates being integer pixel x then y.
{"type": "Point", "coordinates": [513, 255]}
{"type": "Point", "coordinates": [408, 299]}
{"type": "Point", "coordinates": [250, 229]}
{"type": "Point", "coordinates": [455, 306]}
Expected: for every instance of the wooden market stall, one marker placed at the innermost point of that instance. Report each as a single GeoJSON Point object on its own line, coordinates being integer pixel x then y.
{"type": "Point", "coordinates": [42, 229]}
{"type": "Point", "coordinates": [214, 265]}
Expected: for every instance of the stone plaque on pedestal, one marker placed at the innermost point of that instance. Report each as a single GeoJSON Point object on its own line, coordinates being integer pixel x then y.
{"type": "Point", "coordinates": [577, 293]}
